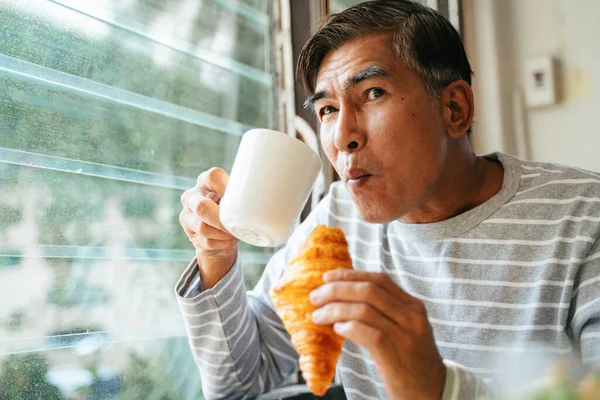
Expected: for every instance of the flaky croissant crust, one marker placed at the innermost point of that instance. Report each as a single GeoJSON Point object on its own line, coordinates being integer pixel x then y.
{"type": "Point", "coordinates": [318, 346]}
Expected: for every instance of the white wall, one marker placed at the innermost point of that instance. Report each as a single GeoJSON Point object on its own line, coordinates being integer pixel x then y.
{"type": "Point", "coordinates": [500, 35]}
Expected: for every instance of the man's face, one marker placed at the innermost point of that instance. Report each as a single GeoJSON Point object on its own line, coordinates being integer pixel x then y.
{"type": "Point", "coordinates": [380, 129]}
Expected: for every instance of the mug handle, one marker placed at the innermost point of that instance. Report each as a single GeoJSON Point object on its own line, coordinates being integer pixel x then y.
{"type": "Point", "coordinates": [305, 133]}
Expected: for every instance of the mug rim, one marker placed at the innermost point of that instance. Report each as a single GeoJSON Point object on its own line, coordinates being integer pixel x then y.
{"type": "Point", "coordinates": [291, 139]}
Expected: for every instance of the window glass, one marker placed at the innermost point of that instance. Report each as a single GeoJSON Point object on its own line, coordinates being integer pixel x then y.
{"type": "Point", "coordinates": [108, 111]}
{"type": "Point", "coordinates": [340, 5]}
{"type": "Point", "coordinates": [336, 6]}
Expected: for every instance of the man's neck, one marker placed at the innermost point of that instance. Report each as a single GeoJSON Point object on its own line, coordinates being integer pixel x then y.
{"type": "Point", "coordinates": [471, 183]}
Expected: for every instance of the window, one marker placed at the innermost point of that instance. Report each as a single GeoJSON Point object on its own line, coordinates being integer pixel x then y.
{"type": "Point", "coordinates": [108, 111]}
{"type": "Point", "coordinates": [448, 8]}
{"type": "Point", "coordinates": [336, 6]}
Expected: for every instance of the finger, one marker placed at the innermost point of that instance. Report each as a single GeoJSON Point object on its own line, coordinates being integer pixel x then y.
{"type": "Point", "coordinates": [332, 313]}
{"type": "Point", "coordinates": [210, 232]}
{"type": "Point", "coordinates": [204, 236]}
{"type": "Point", "coordinates": [186, 195]}
{"type": "Point", "coordinates": [187, 221]}
{"type": "Point", "coordinates": [193, 226]}
{"type": "Point", "coordinates": [372, 339]}
{"type": "Point", "coordinates": [205, 210]}
{"type": "Point", "coordinates": [212, 183]}
{"type": "Point", "coordinates": [359, 294]}
{"type": "Point", "coordinates": [377, 278]}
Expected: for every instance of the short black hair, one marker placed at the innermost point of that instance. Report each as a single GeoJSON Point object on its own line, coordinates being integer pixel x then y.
{"type": "Point", "coordinates": [420, 37]}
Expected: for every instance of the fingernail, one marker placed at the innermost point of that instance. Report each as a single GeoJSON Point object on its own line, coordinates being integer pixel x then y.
{"type": "Point", "coordinates": [330, 275]}
{"type": "Point", "coordinates": [314, 296]}
{"type": "Point", "coordinates": [317, 316]}
{"type": "Point", "coordinates": [340, 327]}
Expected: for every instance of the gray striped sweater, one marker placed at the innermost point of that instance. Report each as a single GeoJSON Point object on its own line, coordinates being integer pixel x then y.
{"type": "Point", "coordinates": [513, 280]}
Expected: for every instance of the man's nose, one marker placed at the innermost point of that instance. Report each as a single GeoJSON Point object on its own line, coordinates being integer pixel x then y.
{"type": "Point", "coordinates": [348, 133]}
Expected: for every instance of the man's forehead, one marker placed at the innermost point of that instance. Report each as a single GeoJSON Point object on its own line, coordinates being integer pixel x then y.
{"type": "Point", "coordinates": [357, 53]}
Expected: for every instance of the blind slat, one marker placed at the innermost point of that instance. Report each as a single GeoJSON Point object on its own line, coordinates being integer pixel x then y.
{"type": "Point", "coordinates": [90, 252]}
{"type": "Point", "coordinates": [34, 72]}
{"type": "Point", "coordinates": [43, 161]}
{"type": "Point", "coordinates": [95, 339]}
{"type": "Point", "coordinates": [245, 11]}
{"type": "Point", "coordinates": [178, 45]}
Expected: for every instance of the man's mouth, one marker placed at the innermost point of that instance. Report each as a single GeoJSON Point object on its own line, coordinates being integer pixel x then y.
{"type": "Point", "coordinates": [356, 178]}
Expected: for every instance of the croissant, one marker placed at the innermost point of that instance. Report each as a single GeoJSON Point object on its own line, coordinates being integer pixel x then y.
{"type": "Point", "coordinates": [318, 346]}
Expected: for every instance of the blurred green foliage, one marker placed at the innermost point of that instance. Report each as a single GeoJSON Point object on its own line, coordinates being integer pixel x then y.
{"type": "Point", "coordinates": [22, 377]}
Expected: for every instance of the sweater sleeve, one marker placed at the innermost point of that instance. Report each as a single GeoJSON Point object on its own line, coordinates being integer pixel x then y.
{"type": "Point", "coordinates": [462, 384]}
{"type": "Point", "coordinates": [584, 312]}
{"type": "Point", "coordinates": [239, 343]}
{"type": "Point", "coordinates": [239, 351]}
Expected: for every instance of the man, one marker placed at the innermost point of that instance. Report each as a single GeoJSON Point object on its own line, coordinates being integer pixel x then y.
{"type": "Point", "coordinates": [459, 259]}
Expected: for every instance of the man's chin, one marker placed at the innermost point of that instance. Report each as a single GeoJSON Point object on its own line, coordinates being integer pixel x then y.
{"type": "Point", "coordinates": [370, 210]}
{"type": "Point", "coordinates": [373, 215]}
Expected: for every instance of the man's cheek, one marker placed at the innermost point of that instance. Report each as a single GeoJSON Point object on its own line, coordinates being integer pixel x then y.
{"type": "Point", "coordinates": [332, 154]}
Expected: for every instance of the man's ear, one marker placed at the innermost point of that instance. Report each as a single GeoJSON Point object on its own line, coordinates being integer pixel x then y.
{"type": "Point", "coordinates": [457, 108]}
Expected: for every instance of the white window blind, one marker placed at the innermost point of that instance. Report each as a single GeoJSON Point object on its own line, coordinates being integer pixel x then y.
{"type": "Point", "coordinates": [108, 112]}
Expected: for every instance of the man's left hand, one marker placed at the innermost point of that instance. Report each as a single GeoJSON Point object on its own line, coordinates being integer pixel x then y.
{"type": "Point", "coordinates": [373, 312]}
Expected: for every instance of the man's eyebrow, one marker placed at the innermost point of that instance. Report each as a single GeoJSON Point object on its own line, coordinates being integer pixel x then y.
{"type": "Point", "coordinates": [366, 73]}
{"type": "Point", "coordinates": [310, 101]}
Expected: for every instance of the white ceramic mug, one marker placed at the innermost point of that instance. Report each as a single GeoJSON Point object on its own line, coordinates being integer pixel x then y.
{"type": "Point", "coordinates": [270, 182]}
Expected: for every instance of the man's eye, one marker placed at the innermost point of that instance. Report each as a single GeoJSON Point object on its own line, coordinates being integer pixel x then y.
{"type": "Point", "coordinates": [327, 110]}
{"type": "Point", "coordinates": [375, 93]}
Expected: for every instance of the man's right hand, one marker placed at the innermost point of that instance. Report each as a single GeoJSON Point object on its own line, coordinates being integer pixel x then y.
{"type": "Point", "coordinates": [216, 248]}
